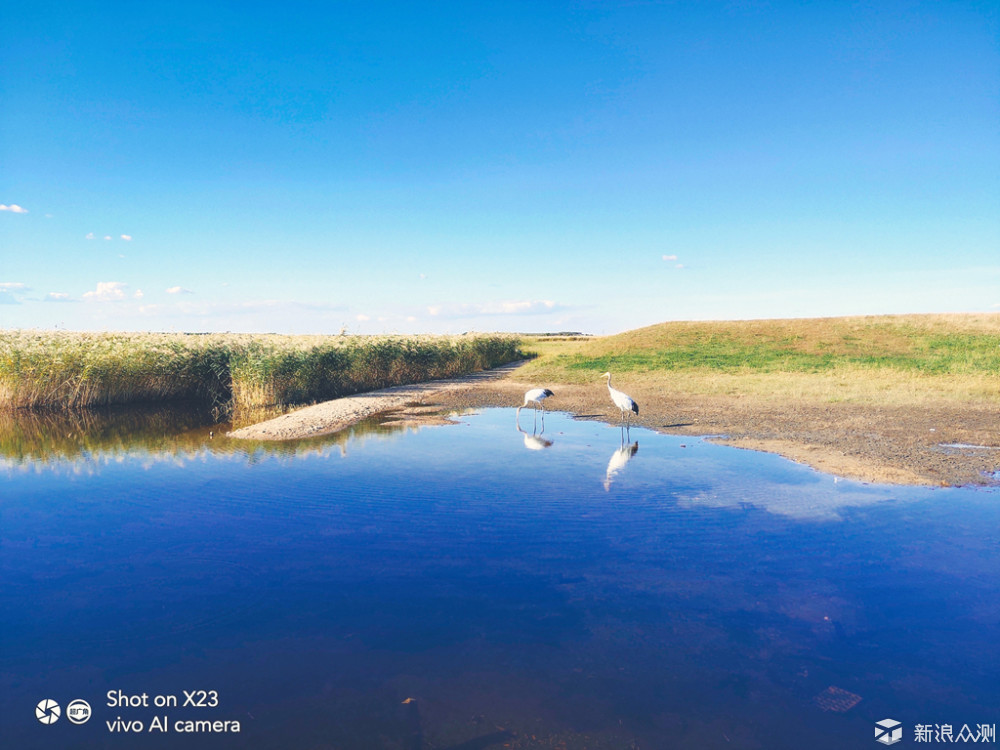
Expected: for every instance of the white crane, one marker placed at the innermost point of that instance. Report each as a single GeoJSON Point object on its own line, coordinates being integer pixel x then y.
{"type": "Point", "coordinates": [535, 397]}
{"type": "Point", "coordinates": [622, 401]}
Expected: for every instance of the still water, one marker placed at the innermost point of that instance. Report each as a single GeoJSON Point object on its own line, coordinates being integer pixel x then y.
{"type": "Point", "coordinates": [472, 586]}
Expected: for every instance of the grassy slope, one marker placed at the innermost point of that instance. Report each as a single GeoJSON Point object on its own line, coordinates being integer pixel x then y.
{"type": "Point", "coordinates": [885, 359]}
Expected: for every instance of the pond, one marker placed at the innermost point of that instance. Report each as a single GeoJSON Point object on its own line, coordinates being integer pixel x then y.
{"type": "Point", "coordinates": [476, 586]}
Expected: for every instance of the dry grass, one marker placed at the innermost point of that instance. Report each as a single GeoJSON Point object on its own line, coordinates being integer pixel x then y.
{"type": "Point", "coordinates": [62, 369]}
{"type": "Point", "coordinates": [907, 359]}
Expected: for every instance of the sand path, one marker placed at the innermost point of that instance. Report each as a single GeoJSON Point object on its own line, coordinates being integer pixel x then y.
{"type": "Point", "coordinates": [331, 416]}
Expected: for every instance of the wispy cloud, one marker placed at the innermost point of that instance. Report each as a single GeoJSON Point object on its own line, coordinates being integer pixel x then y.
{"type": "Point", "coordinates": [107, 291]}
{"type": "Point", "coordinates": [361, 317]}
{"type": "Point", "coordinates": [669, 257]}
{"type": "Point", "coordinates": [127, 237]}
{"type": "Point", "coordinates": [138, 294]}
{"type": "Point", "coordinates": [9, 292]}
{"type": "Point", "coordinates": [107, 236]}
{"type": "Point", "coordinates": [512, 307]}
{"type": "Point", "coordinates": [13, 208]}
{"type": "Point", "coordinates": [90, 236]}
{"type": "Point", "coordinates": [57, 297]}
{"type": "Point", "coordinates": [179, 290]}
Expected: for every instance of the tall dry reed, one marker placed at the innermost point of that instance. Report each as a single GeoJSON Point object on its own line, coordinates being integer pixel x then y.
{"type": "Point", "coordinates": [62, 369]}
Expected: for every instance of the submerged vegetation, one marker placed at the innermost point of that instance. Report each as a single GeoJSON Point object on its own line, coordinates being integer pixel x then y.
{"type": "Point", "coordinates": [61, 369]}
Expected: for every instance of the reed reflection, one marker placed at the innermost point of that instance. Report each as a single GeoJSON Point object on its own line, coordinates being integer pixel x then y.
{"type": "Point", "coordinates": [29, 438]}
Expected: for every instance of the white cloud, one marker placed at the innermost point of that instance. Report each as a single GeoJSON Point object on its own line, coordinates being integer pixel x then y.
{"type": "Point", "coordinates": [361, 317]}
{"type": "Point", "coordinates": [679, 265]}
{"type": "Point", "coordinates": [90, 236]}
{"type": "Point", "coordinates": [138, 294]}
{"type": "Point", "coordinates": [179, 290]}
{"type": "Point", "coordinates": [127, 237]}
{"type": "Point", "coordinates": [13, 208]}
{"type": "Point", "coordinates": [10, 292]}
{"type": "Point", "coordinates": [57, 297]}
{"type": "Point", "coordinates": [669, 257]}
{"type": "Point", "coordinates": [107, 291]}
{"type": "Point", "coordinates": [107, 236]}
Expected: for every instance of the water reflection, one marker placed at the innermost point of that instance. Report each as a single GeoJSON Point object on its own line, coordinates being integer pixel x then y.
{"type": "Point", "coordinates": [535, 441]}
{"type": "Point", "coordinates": [706, 476]}
{"type": "Point", "coordinates": [94, 437]}
{"type": "Point", "coordinates": [423, 594]}
{"type": "Point", "coordinates": [535, 417]}
{"type": "Point", "coordinates": [619, 458]}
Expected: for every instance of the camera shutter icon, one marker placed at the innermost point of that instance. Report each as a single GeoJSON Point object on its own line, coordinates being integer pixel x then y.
{"type": "Point", "coordinates": [47, 711]}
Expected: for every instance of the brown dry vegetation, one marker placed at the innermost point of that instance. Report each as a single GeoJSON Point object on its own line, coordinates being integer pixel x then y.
{"type": "Point", "coordinates": [57, 369]}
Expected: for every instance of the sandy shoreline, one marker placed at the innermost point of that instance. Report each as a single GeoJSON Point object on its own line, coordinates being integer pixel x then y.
{"type": "Point", "coordinates": [331, 416]}
{"type": "Point", "coordinates": [939, 444]}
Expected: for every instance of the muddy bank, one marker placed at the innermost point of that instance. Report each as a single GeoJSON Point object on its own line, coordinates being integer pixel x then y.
{"type": "Point", "coordinates": [939, 444]}
{"type": "Point", "coordinates": [919, 444]}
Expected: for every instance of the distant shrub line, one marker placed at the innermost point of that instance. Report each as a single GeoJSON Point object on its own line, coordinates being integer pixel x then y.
{"type": "Point", "coordinates": [59, 370]}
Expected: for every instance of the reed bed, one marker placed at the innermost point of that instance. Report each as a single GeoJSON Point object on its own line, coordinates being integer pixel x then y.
{"type": "Point", "coordinates": [77, 370]}
{"type": "Point", "coordinates": [267, 373]}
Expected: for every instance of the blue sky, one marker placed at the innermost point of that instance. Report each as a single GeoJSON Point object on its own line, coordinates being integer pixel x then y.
{"type": "Point", "coordinates": [443, 167]}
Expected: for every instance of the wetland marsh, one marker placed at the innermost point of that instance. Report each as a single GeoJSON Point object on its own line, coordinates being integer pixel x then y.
{"type": "Point", "coordinates": [447, 586]}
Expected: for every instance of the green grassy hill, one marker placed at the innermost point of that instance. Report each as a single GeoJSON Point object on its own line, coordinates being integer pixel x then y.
{"type": "Point", "coordinates": [856, 358]}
